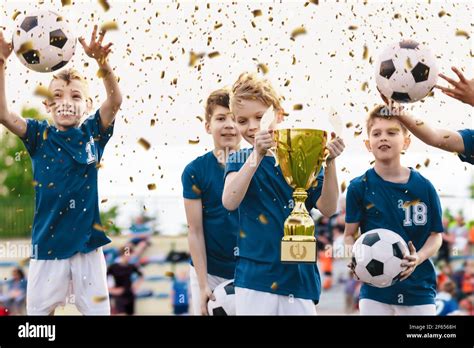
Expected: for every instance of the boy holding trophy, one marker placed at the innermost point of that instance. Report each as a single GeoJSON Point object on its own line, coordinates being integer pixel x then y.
{"type": "Point", "coordinates": [264, 284]}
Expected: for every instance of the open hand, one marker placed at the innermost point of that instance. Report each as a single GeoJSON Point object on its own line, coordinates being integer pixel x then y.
{"type": "Point", "coordinates": [95, 49]}
{"type": "Point", "coordinates": [411, 261]}
{"type": "Point", "coordinates": [462, 90]}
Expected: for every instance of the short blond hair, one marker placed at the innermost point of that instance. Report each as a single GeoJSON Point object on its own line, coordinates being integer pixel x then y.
{"type": "Point", "coordinates": [251, 87]}
{"type": "Point", "coordinates": [68, 75]}
{"type": "Point", "coordinates": [382, 111]}
{"type": "Point", "coordinates": [219, 97]}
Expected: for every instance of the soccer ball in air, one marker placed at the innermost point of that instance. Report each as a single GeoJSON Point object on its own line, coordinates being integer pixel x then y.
{"type": "Point", "coordinates": [406, 71]}
{"type": "Point", "coordinates": [377, 255]}
{"type": "Point", "coordinates": [225, 299]}
{"type": "Point", "coordinates": [43, 41]}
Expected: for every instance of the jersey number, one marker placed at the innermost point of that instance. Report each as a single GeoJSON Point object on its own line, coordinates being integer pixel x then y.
{"type": "Point", "coordinates": [415, 214]}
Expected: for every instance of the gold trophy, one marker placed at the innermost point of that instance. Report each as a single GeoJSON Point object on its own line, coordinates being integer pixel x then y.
{"type": "Point", "coordinates": [300, 154]}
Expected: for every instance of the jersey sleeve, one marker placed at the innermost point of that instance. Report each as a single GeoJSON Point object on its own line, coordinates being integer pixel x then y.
{"type": "Point", "coordinates": [468, 139]}
{"type": "Point", "coordinates": [190, 181]}
{"type": "Point", "coordinates": [236, 161]}
{"type": "Point", "coordinates": [101, 137]}
{"type": "Point", "coordinates": [35, 134]}
{"type": "Point", "coordinates": [435, 212]}
{"type": "Point", "coordinates": [354, 203]}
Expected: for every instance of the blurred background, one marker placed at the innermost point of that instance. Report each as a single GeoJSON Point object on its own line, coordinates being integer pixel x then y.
{"type": "Point", "coordinates": [169, 56]}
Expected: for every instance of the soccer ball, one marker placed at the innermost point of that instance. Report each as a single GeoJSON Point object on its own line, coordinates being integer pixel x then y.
{"type": "Point", "coordinates": [406, 71]}
{"type": "Point", "coordinates": [225, 299]}
{"type": "Point", "coordinates": [377, 255]}
{"type": "Point", "coordinates": [43, 41]}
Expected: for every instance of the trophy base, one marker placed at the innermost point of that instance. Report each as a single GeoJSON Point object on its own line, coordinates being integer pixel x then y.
{"type": "Point", "coordinates": [298, 251]}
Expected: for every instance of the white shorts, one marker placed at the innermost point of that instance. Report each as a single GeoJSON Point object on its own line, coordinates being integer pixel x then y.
{"type": "Point", "coordinates": [80, 280]}
{"type": "Point", "coordinates": [372, 307]}
{"type": "Point", "coordinates": [253, 302]}
{"type": "Point", "coordinates": [212, 280]}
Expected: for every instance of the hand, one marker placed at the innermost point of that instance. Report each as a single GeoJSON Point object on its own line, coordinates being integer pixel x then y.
{"type": "Point", "coordinates": [411, 262]}
{"type": "Point", "coordinates": [5, 48]}
{"type": "Point", "coordinates": [463, 89]}
{"type": "Point", "coordinates": [351, 267]}
{"type": "Point", "coordinates": [95, 49]}
{"type": "Point", "coordinates": [264, 141]}
{"type": "Point", "coordinates": [206, 295]}
{"type": "Point", "coordinates": [335, 147]}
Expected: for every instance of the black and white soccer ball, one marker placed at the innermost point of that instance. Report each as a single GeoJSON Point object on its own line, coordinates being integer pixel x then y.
{"type": "Point", "coordinates": [43, 41]}
{"type": "Point", "coordinates": [225, 299]}
{"type": "Point", "coordinates": [377, 255]}
{"type": "Point", "coordinates": [406, 71]}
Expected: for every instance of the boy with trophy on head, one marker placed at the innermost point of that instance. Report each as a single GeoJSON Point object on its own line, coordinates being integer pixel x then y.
{"type": "Point", "coordinates": [275, 276]}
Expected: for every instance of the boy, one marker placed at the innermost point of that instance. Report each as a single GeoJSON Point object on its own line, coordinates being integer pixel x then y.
{"type": "Point", "coordinates": [460, 142]}
{"type": "Point", "coordinates": [212, 229]}
{"type": "Point", "coordinates": [257, 188]}
{"type": "Point", "coordinates": [399, 199]}
{"type": "Point", "coordinates": [123, 286]}
{"type": "Point", "coordinates": [67, 236]}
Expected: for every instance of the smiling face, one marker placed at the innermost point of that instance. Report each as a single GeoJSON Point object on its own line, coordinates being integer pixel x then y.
{"type": "Point", "coordinates": [387, 139]}
{"type": "Point", "coordinates": [248, 114]}
{"type": "Point", "coordinates": [69, 103]}
{"type": "Point", "coordinates": [222, 127]}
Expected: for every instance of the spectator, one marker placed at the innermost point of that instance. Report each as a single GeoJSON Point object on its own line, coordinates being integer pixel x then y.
{"type": "Point", "coordinates": [444, 253]}
{"type": "Point", "coordinates": [180, 294]}
{"type": "Point", "coordinates": [445, 299]}
{"type": "Point", "coordinates": [14, 299]}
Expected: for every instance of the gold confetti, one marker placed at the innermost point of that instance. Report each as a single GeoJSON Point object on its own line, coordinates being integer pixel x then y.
{"type": "Point", "coordinates": [25, 47]}
{"type": "Point", "coordinates": [257, 13]}
{"type": "Point", "coordinates": [104, 200]}
{"type": "Point", "coordinates": [462, 33]}
{"type": "Point", "coordinates": [357, 133]}
{"type": "Point", "coordinates": [410, 203]}
{"type": "Point", "coordinates": [151, 187]}
{"type": "Point", "coordinates": [242, 234]}
{"type": "Point", "coordinates": [99, 165]}
{"type": "Point", "coordinates": [16, 14]}
{"type": "Point", "coordinates": [263, 67]}
{"type": "Point", "coordinates": [101, 73]}
{"type": "Point", "coordinates": [365, 54]}
{"type": "Point", "coordinates": [369, 206]}
{"type": "Point", "coordinates": [353, 27]}
{"type": "Point", "coordinates": [98, 299]}
{"type": "Point", "coordinates": [364, 86]}
{"type": "Point", "coordinates": [214, 54]}
{"type": "Point", "coordinates": [45, 134]}
{"type": "Point", "coordinates": [152, 123]}
{"type": "Point", "coordinates": [194, 58]}
{"type": "Point", "coordinates": [169, 274]}
{"type": "Point", "coordinates": [298, 107]}
{"type": "Point", "coordinates": [297, 32]}
{"type": "Point", "coordinates": [408, 64]}
{"type": "Point", "coordinates": [42, 91]}
{"type": "Point", "coordinates": [427, 162]}
{"type": "Point", "coordinates": [196, 190]}
{"type": "Point", "coordinates": [348, 124]}
{"type": "Point", "coordinates": [144, 143]}
{"type": "Point", "coordinates": [274, 286]}
{"type": "Point", "coordinates": [263, 219]}
{"type": "Point", "coordinates": [111, 25]}
{"type": "Point", "coordinates": [200, 118]}
{"type": "Point", "coordinates": [419, 123]}
{"type": "Point", "coordinates": [131, 179]}
{"type": "Point", "coordinates": [193, 142]}
{"type": "Point", "coordinates": [105, 5]}
{"type": "Point", "coordinates": [65, 2]}
{"type": "Point", "coordinates": [441, 13]}
{"type": "Point", "coordinates": [218, 25]}
{"type": "Point", "coordinates": [343, 187]}
{"type": "Point", "coordinates": [99, 227]}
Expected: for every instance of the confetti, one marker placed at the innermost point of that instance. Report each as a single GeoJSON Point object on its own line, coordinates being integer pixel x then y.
{"type": "Point", "coordinates": [365, 54]}
{"type": "Point", "coordinates": [441, 13]}
{"type": "Point", "coordinates": [242, 234]}
{"type": "Point", "coordinates": [297, 32]}
{"type": "Point", "coordinates": [263, 67]}
{"type": "Point", "coordinates": [196, 190]}
{"type": "Point", "coordinates": [169, 274]}
{"type": "Point", "coordinates": [410, 203]}
{"type": "Point", "coordinates": [16, 14]}
{"type": "Point", "coordinates": [99, 227]}
{"type": "Point", "coordinates": [298, 107]}
{"type": "Point", "coordinates": [65, 2]}
{"type": "Point", "coordinates": [151, 187]}
{"type": "Point", "coordinates": [369, 206]}
{"type": "Point", "coordinates": [194, 58]}
{"type": "Point", "coordinates": [214, 54]}
{"type": "Point", "coordinates": [104, 200]}
{"type": "Point", "coordinates": [101, 73]}
{"type": "Point", "coordinates": [427, 162]}
{"type": "Point", "coordinates": [353, 27]}
{"type": "Point", "coordinates": [257, 13]}
{"type": "Point", "coordinates": [42, 91]}
{"type": "Point", "coordinates": [462, 33]}
{"type": "Point", "coordinates": [111, 25]}
{"type": "Point", "coordinates": [263, 219]}
{"type": "Point", "coordinates": [218, 25]}
{"type": "Point", "coordinates": [408, 64]}
{"type": "Point", "coordinates": [98, 299]}
{"type": "Point", "coordinates": [274, 286]}
{"type": "Point", "coordinates": [105, 5]}
{"type": "Point", "coordinates": [193, 142]}
{"type": "Point", "coordinates": [144, 143]}
{"type": "Point", "coordinates": [25, 47]}
{"type": "Point", "coordinates": [343, 187]}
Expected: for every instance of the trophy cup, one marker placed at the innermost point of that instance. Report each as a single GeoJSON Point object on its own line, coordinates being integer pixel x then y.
{"type": "Point", "coordinates": [300, 154]}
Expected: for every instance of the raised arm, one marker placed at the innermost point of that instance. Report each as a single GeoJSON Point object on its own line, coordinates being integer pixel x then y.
{"type": "Point", "coordinates": [13, 122]}
{"type": "Point", "coordinates": [237, 183]}
{"type": "Point", "coordinates": [462, 90]}
{"type": "Point", "coordinates": [99, 52]}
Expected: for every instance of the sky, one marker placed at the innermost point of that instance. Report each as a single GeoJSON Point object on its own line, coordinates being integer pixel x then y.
{"type": "Point", "coordinates": [323, 69]}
